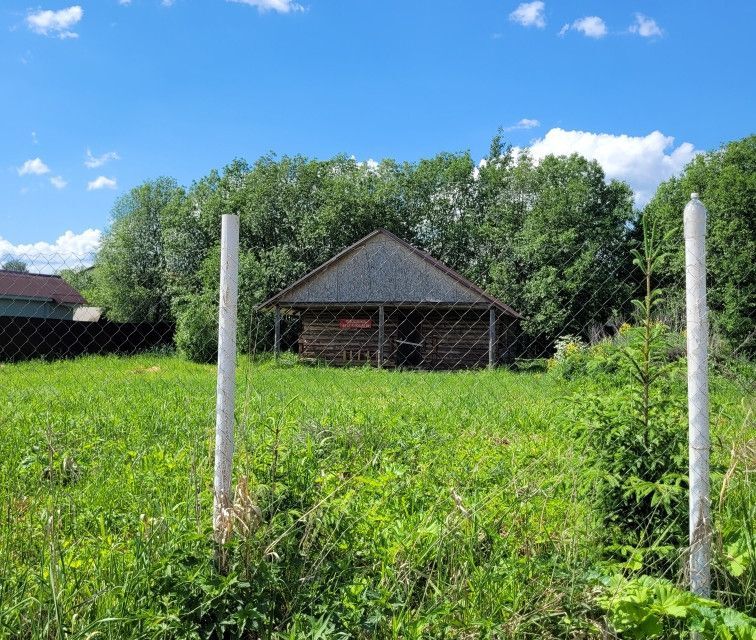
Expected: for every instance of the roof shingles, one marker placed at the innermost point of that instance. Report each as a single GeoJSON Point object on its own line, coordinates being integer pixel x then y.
{"type": "Point", "coordinates": [14, 284]}
{"type": "Point", "coordinates": [405, 247]}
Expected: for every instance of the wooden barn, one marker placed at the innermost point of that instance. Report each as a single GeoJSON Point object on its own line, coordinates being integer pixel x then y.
{"type": "Point", "coordinates": [384, 302]}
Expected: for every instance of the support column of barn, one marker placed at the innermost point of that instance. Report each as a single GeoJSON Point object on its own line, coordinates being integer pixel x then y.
{"type": "Point", "coordinates": [277, 332]}
{"type": "Point", "coordinates": [381, 334]}
{"type": "Point", "coordinates": [492, 337]}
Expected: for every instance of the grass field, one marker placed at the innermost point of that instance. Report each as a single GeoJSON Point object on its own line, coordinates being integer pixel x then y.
{"type": "Point", "coordinates": [386, 504]}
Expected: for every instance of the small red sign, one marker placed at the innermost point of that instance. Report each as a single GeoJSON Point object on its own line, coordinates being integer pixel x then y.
{"type": "Point", "coordinates": [355, 323]}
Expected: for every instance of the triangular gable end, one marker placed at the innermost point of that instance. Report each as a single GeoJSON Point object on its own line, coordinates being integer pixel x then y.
{"type": "Point", "coordinates": [383, 269]}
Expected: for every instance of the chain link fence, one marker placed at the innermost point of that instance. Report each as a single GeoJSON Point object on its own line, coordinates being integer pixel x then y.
{"type": "Point", "coordinates": [410, 460]}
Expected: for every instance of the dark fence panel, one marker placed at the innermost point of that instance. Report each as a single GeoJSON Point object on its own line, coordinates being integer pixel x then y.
{"type": "Point", "coordinates": [27, 338]}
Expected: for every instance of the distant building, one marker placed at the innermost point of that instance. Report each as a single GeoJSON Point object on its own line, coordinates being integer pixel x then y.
{"type": "Point", "coordinates": [384, 302]}
{"type": "Point", "coordinates": [36, 295]}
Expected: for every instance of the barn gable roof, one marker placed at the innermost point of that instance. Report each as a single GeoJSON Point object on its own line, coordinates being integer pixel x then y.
{"type": "Point", "coordinates": [381, 268]}
{"type": "Point", "coordinates": [38, 286]}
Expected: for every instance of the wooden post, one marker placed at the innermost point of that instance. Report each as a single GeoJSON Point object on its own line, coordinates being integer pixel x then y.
{"type": "Point", "coordinates": [224, 408]}
{"type": "Point", "coordinates": [492, 337]}
{"type": "Point", "coordinates": [381, 334]}
{"type": "Point", "coordinates": [277, 332]}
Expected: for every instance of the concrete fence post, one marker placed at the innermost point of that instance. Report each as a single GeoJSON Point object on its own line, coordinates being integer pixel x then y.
{"type": "Point", "coordinates": [224, 408]}
{"type": "Point", "coordinates": [697, 326]}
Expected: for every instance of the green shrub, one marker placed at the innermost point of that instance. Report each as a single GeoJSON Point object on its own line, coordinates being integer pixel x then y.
{"type": "Point", "coordinates": [734, 549]}
{"type": "Point", "coordinates": [608, 358]}
{"type": "Point", "coordinates": [197, 330]}
{"type": "Point", "coordinates": [570, 357]}
{"type": "Point", "coordinates": [633, 435]}
{"type": "Point", "coordinates": [191, 600]}
{"type": "Point", "coordinates": [647, 607]}
{"type": "Point", "coordinates": [640, 469]}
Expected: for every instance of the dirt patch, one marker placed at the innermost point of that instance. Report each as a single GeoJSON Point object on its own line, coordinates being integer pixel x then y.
{"type": "Point", "coordinates": [153, 369]}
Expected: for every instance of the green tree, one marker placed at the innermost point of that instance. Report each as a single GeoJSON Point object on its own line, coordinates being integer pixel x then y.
{"type": "Point", "coordinates": [130, 280]}
{"type": "Point", "coordinates": [15, 264]}
{"type": "Point", "coordinates": [725, 180]}
{"type": "Point", "coordinates": [294, 214]}
{"type": "Point", "coordinates": [555, 239]}
{"type": "Point", "coordinates": [440, 193]}
{"type": "Point", "coordinates": [549, 238]}
{"type": "Point", "coordinates": [82, 280]}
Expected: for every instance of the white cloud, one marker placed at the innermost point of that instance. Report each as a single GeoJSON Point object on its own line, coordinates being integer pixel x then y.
{"type": "Point", "coordinates": [641, 161]}
{"type": "Point", "coordinates": [92, 162]}
{"type": "Point", "coordinates": [71, 250]}
{"type": "Point", "coordinates": [645, 27]}
{"type": "Point", "coordinates": [280, 6]}
{"type": "Point", "coordinates": [590, 26]}
{"type": "Point", "coordinates": [58, 182]}
{"type": "Point", "coordinates": [124, 3]}
{"type": "Point", "coordinates": [55, 23]}
{"type": "Point", "coordinates": [33, 167]}
{"type": "Point", "coordinates": [102, 182]}
{"type": "Point", "coordinates": [167, 3]}
{"type": "Point", "coordinates": [371, 165]}
{"type": "Point", "coordinates": [530, 14]}
{"type": "Point", "coordinates": [34, 137]}
{"type": "Point", "coordinates": [525, 123]}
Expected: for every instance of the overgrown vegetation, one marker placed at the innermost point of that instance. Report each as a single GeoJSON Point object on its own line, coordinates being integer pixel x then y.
{"type": "Point", "coordinates": [632, 428]}
{"type": "Point", "coordinates": [630, 419]}
{"type": "Point", "coordinates": [725, 179]}
{"type": "Point", "coordinates": [633, 432]}
{"type": "Point", "coordinates": [380, 505]}
{"type": "Point", "coordinates": [655, 608]}
{"type": "Point", "coordinates": [389, 504]}
{"type": "Point", "coordinates": [552, 239]}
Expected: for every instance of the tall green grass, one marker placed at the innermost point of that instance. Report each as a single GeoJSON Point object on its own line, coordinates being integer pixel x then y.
{"type": "Point", "coordinates": [391, 504]}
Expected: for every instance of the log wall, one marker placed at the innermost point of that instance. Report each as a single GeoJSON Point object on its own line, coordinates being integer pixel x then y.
{"type": "Point", "coordinates": [451, 338]}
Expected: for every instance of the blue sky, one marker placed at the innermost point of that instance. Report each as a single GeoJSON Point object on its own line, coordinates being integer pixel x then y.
{"type": "Point", "coordinates": [100, 95]}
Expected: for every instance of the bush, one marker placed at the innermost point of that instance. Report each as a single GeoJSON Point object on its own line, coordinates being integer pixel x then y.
{"type": "Point", "coordinates": [573, 358]}
{"type": "Point", "coordinates": [197, 330]}
{"type": "Point", "coordinates": [647, 607]}
{"type": "Point", "coordinates": [640, 472]}
{"type": "Point", "coordinates": [734, 552]}
{"type": "Point", "coordinates": [634, 438]}
{"type": "Point", "coordinates": [570, 354]}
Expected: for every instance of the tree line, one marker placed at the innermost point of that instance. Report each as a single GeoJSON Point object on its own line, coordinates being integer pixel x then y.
{"type": "Point", "coordinates": [553, 239]}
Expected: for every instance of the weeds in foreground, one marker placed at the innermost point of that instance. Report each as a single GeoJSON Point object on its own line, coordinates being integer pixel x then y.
{"type": "Point", "coordinates": [633, 433]}
{"type": "Point", "coordinates": [379, 504]}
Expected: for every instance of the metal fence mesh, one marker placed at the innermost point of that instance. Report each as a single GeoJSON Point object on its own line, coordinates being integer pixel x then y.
{"type": "Point", "coordinates": [411, 461]}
